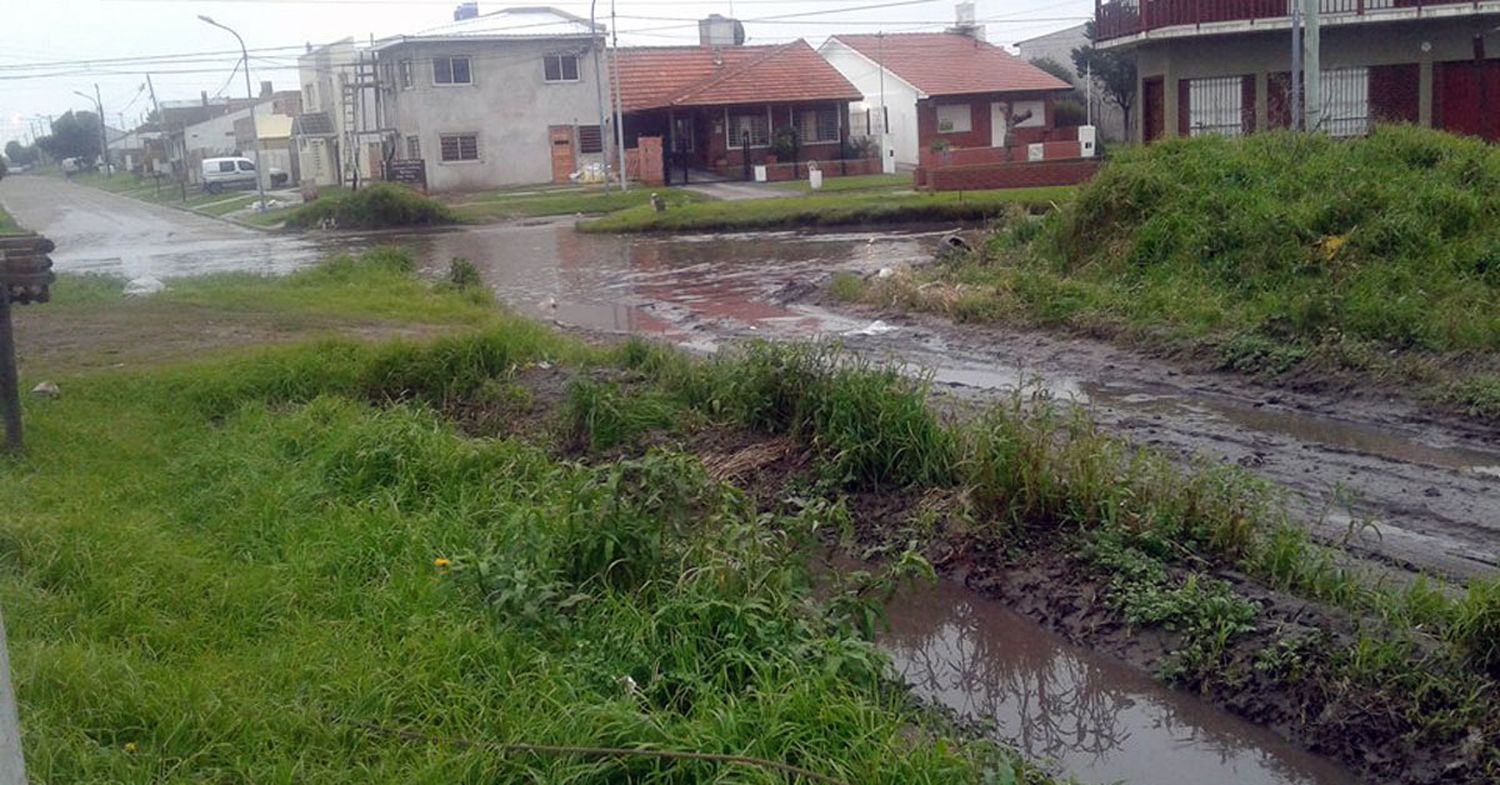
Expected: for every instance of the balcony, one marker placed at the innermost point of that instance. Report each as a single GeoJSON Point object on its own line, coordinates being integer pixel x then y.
{"type": "Point", "coordinates": [1119, 21]}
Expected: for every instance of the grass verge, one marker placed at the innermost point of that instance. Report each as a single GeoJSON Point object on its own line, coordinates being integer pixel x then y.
{"type": "Point", "coordinates": [8, 224]}
{"type": "Point", "coordinates": [571, 201]}
{"type": "Point", "coordinates": [377, 206]}
{"type": "Point", "coordinates": [1290, 258]}
{"type": "Point", "coordinates": [288, 566]}
{"type": "Point", "coordinates": [837, 209]}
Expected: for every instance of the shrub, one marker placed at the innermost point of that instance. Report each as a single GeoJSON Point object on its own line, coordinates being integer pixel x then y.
{"type": "Point", "coordinates": [379, 206]}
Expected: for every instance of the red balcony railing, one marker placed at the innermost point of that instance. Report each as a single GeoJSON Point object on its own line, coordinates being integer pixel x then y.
{"type": "Point", "coordinates": [1116, 18]}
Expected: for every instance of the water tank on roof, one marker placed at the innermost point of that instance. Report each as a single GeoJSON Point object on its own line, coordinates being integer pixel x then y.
{"type": "Point", "coordinates": [719, 30]}
{"type": "Point", "coordinates": [465, 11]}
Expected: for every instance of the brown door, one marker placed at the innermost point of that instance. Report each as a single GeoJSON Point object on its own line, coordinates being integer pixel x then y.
{"type": "Point", "coordinates": [1466, 95]}
{"type": "Point", "coordinates": [564, 162]}
{"type": "Point", "coordinates": [1153, 109]}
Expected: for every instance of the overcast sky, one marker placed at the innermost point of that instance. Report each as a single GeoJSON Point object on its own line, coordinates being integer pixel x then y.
{"type": "Point", "coordinates": [46, 45]}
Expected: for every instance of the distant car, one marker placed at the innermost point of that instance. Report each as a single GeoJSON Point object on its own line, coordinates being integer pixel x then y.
{"type": "Point", "coordinates": [227, 174]}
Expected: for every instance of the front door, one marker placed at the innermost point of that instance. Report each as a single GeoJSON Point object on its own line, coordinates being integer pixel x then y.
{"type": "Point", "coordinates": [564, 162]}
{"type": "Point", "coordinates": [1153, 109]}
{"type": "Point", "coordinates": [998, 114]}
{"type": "Point", "coordinates": [1466, 95]}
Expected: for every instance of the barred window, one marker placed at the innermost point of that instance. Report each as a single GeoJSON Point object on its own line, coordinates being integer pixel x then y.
{"type": "Point", "coordinates": [451, 70]}
{"type": "Point", "coordinates": [756, 124]}
{"type": "Point", "coordinates": [818, 125]}
{"type": "Point", "coordinates": [1216, 106]}
{"type": "Point", "coordinates": [459, 147]}
{"type": "Point", "coordinates": [590, 139]}
{"type": "Point", "coordinates": [1346, 101]}
{"type": "Point", "coordinates": [413, 148]}
{"type": "Point", "coordinates": [406, 80]}
{"type": "Point", "coordinates": [560, 68]}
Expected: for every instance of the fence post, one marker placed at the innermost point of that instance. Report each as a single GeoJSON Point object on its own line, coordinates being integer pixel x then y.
{"type": "Point", "coordinates": [10, 392]}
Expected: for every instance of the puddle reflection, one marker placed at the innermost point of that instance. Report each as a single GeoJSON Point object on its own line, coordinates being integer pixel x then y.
{"type": "Point", "coordinates": [1098, 719]}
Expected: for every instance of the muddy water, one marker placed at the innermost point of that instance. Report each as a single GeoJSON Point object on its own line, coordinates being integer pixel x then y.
{"type": "Point", "coordinates": [1089, 716]}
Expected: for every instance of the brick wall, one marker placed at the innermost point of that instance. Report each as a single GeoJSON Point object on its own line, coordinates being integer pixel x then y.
{"type": "Point", "coordinates": [988, 177]}
{"type": "Point", "coordinates": [643, 163]}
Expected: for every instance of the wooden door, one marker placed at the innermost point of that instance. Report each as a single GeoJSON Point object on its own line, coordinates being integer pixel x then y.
{"type": "Point", "coordinates": [1466, 96]}
{"type": "Point", "coordinates": [564, 157]}
{"type": "Point", "coordinates": [1153, 109]}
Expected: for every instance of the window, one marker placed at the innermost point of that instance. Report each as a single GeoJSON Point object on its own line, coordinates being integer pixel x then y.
{"type": "Point", "coordinates": [756, 124]}
{"type": "Point", "coordinates": [818, 125]}
{"type": "Point", "coordinates": [560, 68]}
{"type": "Point", "coordinates": [459, 147]}
{"type": "Point", "coordinates": [954, 119]}
{"type": "Point", "coordinates": [1216, 106]}
{"type": "Point", "coordinates": [590, 139]}
{"type": "Point", "coordinates": [246, 166]}
{"type": "Point", "coordinates": [406, 80]}
{"type": "Point", "coordinates": [451, 70]}
{"type": "Point", "coordinates": [413, 148]}
{"type": "Point", "coordinates": [1346, 101]}
{"type": "Point", "coordinates": [226, 166]}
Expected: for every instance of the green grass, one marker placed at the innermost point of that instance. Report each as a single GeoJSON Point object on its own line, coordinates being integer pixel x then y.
{"type": "Point", "coordinates": [1272, 254]}
{"type": "Point", "coordinates": [571, 201]}
{"type": "Point", "coordinates": [859, 182]}
{"type": "Point", "coordinates": [836, 209]}
{"type": "Point", "coordinates": [230, 570]}
{"type": "Point", "coordinates": [378, 206]}
{"type": "Point", "coordinates": [8, 224]}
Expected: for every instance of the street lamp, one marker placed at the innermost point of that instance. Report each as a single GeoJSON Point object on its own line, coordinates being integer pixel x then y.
{"type": "Point", "coordinates": [260, 187]}
{"type": "Point", "coordinates": [103, 131]}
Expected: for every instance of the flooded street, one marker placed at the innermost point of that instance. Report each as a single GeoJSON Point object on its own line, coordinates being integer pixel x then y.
{"type": "Point", "coordinates": [1084, 714]}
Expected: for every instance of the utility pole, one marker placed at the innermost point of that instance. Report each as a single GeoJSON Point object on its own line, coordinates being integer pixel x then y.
{"type": "Point", "coordinates": [1312, 67]}
{"type": "Point", "coordinates": [887, 161]}
{"type": "Point", "coordinates": [1296, 86]}
{"type": "Point", "coordinates": [161, 126]}
{"type": "Point", "coordinates": [599, 48]}
{"type": "Point", "coordinates": [12, 763]}
{"type": "Point", "coordinates": [260, 185]}
{"type": "Point", "coordinates": [109, 168]}
{"type": "Point", "coordinates": [614, 30]}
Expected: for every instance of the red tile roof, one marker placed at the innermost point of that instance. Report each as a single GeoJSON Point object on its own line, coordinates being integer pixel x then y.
{"type": "Point", "coordinates": [951, 63]}
{"type": "Point", "coordinates": [656, 77]}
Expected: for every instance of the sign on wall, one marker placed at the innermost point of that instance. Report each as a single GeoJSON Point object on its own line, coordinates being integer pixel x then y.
{"type": "Point", "coordinates": [408, 172]}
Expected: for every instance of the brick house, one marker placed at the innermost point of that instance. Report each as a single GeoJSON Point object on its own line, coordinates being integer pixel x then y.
{"type": "Point", "coordinates": [948, 89]}
{"type": "Point", "coordinates": [719, 107]}
{"type": "Point", "coordinates": [1223, 66]}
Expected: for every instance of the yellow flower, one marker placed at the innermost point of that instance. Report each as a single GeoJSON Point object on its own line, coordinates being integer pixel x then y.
{"type": "Point", "coordinates": [1332, 244]}
{"type": "Point", "coordinates": [441, 563]}
{"type": "Point", "coordinates": [130, 746]}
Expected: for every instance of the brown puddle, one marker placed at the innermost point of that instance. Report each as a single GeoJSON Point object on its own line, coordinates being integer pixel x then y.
{"type": "Point", "coordinates": [1094, 718]}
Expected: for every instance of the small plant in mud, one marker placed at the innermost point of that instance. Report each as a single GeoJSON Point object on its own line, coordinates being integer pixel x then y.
{"type": "Point", "coordinates": [463, 273]}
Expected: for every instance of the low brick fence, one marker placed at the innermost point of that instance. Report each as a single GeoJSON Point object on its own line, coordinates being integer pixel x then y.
{"type": "Point", "coordinates": [993, 176]}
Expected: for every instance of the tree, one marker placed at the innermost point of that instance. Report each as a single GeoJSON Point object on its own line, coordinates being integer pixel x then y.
{"type": "Point", "coordinates": [74, 135]}
{"type": "Point", "coordinates": [20, 154]}
{"type": "Point", "coordinates": [1067, 108]}
{"type": "Point", "coordinates": [1113, 72]}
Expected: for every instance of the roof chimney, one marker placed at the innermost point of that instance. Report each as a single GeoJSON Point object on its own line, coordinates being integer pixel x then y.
{"type": "Point", "coordinates": [964, 22]}
{"type": "Point", "coordinates": [719, 30]}
{"type": "Point", "coordinates": [467, 10]}
{"type": "Point", "coordinates": [265, 90]}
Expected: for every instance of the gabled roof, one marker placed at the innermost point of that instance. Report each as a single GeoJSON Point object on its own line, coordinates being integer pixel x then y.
{"type": "Point", "coordinates": [508, 24]}
{"type": "Point", "coordinates": [656, 77]}
{"type": "Point", "coordinates": [951, 63]}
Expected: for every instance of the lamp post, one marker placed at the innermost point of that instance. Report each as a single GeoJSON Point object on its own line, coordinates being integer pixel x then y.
{"type": "Point", "coordinates": [103, 132]}
{"type": "Point", "coordinates": [260, 186]}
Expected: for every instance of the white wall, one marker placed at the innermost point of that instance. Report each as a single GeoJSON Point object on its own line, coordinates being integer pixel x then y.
{"type": "Point", "coordinates": [509, 105]}
{"type": "Point", "coordinates": [215, 137]}
{"type": "Point", "coordinates": [900, 99]}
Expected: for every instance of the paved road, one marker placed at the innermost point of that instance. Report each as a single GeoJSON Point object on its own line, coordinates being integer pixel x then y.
{"type": "Point", "coordinates": [96, 231]}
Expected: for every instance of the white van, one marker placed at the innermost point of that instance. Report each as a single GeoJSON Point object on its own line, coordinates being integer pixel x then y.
{"type": "Point", "coordinates": [225, 174]}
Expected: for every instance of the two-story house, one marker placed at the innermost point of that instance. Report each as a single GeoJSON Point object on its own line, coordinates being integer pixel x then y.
{"type": "Point", "coordinates": [509, 97]}
{"type": "Point", "coordinates": [1224, 66]}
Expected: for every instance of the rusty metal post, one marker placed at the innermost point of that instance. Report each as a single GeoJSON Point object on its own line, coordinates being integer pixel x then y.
{"type": "Point", "coordinates": [10, 384]}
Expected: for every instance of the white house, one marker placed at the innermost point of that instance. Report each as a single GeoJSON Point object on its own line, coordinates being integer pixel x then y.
{"type": "Point", "coordinates": [216, 136]}
{"type": "Point", "coordinates": [505, 98]}
{"type": "Point", "coordinates": [889, 111]}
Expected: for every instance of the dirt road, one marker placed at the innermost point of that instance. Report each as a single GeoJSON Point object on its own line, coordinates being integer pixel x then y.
{"type": "Point", "coordinates": [1429, 488]}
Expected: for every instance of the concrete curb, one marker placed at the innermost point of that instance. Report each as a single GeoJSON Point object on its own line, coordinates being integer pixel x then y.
{"type": "Point", "coordinates": [185, 209]}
